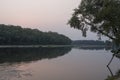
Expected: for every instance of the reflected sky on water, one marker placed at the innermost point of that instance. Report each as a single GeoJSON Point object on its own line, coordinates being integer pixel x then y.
{"type": "Point", "coordinates": [56, 64]}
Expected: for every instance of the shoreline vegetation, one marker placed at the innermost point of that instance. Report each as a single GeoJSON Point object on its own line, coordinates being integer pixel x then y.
{"type": "Point", "coordinates": [52, 46]}
{"type": "Point", "coordinates": [33, 46]}
{"type": "Point", "coordinates": [16, 35]}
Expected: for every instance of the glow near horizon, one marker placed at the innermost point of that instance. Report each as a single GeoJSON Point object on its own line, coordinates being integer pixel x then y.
{"type": "Point", "coordinates": [45, 15]}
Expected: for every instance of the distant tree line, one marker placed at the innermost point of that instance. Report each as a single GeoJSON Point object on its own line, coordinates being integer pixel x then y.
{"type": "Point", "coordinates": [92, 42]}
{"type": "Point", "coordinates": [16, 35]}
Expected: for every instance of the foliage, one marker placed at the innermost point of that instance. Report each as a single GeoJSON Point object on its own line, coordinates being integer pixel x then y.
{"type": "Point", "coordinates": [88, 42]}
{"type": "Point", "coordinates": [100, 16]}
{"type": "Point", "coordinates": [16, 35]}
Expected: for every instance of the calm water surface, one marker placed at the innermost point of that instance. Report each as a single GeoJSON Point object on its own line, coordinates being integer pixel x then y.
{"type": "Point", "coordinates": [56, 64]}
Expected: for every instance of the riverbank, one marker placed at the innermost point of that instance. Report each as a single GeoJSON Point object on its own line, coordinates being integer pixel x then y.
{"type": "Point", "coordinates": [42, 46]}
{"type": "Point", "coordinates": [33, 46]}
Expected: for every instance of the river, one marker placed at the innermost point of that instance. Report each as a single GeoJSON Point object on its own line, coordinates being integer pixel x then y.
{"type": "Point", "coordinates": [63, 63]}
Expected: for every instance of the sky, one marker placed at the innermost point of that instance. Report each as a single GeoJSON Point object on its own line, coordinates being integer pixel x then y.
{"type": "Point", "coordinates": [45, 15]}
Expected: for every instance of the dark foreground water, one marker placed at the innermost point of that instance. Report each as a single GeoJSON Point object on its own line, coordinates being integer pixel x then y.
{"type": "Point", "coordinates": [57, 64]}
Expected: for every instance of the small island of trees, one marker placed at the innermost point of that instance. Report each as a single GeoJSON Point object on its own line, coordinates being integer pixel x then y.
{"type": "Point", "coordinates": [16, 35]}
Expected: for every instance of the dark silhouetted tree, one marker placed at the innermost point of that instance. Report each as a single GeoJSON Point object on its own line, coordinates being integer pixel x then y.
{"type": "Point", "coordinates": [100, 16]}
{"type": "Point", "coordinates": [16, 35]}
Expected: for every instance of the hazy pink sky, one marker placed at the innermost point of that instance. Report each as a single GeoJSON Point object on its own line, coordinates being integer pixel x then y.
{"type": "Point", "coordinates": [45, 15]}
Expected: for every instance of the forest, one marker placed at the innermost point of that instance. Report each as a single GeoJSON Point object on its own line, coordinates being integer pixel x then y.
{"type": "Point", "coordinates": [91, 42]}
{"type": "Point", "coordinates": [16, 35]}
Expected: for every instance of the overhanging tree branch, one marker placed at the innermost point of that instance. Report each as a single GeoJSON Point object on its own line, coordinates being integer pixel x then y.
{"type": "Point", "coordinates": [91, 24]}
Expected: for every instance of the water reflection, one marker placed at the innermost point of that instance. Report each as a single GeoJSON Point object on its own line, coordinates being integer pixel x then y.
{"type": "Point", "coordinates": [112, 76]}
{"type": "Point", "coordinates": [12, 58]}
{"type": "Point", "coordinates": [11, 72]}
{"type": "Point", "coordinates": [118, 55]}
{"type": "Point", "coordinates": [12, 55]}
{"type": "Point", "coordinates": [93, 47]}
{"type": "Point", "coordinates": [115, 76]}
{"type": "Point", "coordinates": [80, 64]}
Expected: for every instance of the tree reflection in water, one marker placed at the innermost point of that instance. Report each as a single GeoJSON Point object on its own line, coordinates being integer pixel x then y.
{"type": "Point", "coordinates": [12, 58]}
{"type": "Point", "coordinates": [112, 76]}
{"type": "Point", "coordinates": [13, 55]}
{"type": "Point", "coordinates": [93, 47]}
{"type": "Point", "coordinates": [115, 76]}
